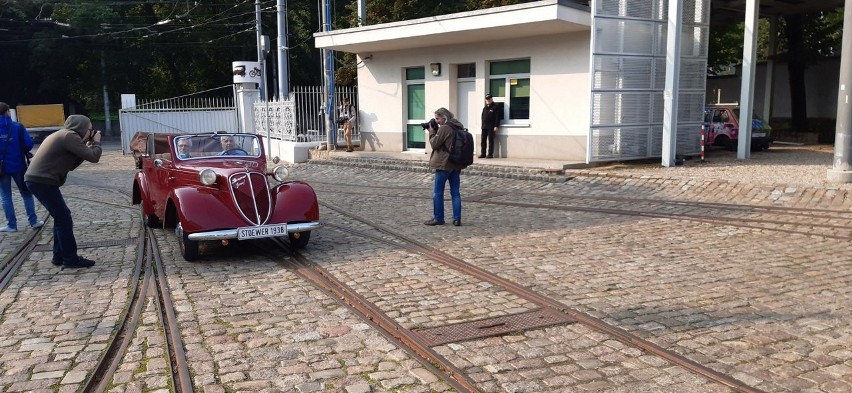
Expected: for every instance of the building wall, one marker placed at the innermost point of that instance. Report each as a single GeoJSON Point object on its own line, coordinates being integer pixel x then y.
{"type": "Point", "coordinates": [821, 85]}
{"type": "Point", "coordinates": [559, 102]}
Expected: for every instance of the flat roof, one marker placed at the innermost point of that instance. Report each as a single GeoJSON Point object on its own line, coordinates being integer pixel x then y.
{"type": "Point", "coordinates": [492, 24]}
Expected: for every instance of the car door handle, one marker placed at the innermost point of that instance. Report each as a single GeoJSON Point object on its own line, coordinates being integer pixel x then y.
{"type": "Point", "coordinates": [171, 178]}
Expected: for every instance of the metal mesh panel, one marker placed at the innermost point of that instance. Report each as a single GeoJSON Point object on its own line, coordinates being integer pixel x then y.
{"type": "Point", "coordinates": [619, 143]}
{"type": "Point", "coordinates": [626, 108]}
{"type": "Point", "coordinates": [614, 72]}
{"type": "Point", "coordinates": [629, 71]}
{"type": "Point", "coordinates": [693, 74]}
{"type": "Point", "coordinates": [642, 9]}
{"type": "Point", "coordinates": [624, 37]}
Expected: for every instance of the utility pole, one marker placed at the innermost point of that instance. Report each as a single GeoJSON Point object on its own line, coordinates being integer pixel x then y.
{"type": "Point", "coordinates": [283, 71]}
{"type": "Point", "coordinates": [261, 86]}
{"type": "Point", "coordinates": [328, 81]}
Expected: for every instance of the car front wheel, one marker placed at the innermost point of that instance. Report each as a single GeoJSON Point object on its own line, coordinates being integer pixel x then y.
{"type": "Point", "coordinates": [188, 248]}
{"type": "Point", "coordinates": [299, 239]}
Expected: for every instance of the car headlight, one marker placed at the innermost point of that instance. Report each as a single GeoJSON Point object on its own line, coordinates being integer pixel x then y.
{"type": "Point", "coordinates": [280, 173]}
{"type": "Point", "coordinates": [207, 177]}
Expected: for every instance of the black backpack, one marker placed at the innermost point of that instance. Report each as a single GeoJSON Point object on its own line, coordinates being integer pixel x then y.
{"type": "Point", "coordinates": [461, 152]}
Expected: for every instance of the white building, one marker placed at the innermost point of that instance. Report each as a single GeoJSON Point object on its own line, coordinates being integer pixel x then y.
{"type": "Point", "coordinates": [576, 83]}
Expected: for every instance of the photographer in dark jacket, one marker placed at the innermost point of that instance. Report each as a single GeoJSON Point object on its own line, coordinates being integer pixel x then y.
{"type": "Point", "coordinates": [62, 152]}
{"type": "Point", "coordinates": [441, 139]}
{"type": "Point", "coordinates": [490, 122]}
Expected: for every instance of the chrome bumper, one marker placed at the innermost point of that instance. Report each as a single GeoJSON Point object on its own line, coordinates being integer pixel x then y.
{"type": "Point", "coordinates": [232, 233]}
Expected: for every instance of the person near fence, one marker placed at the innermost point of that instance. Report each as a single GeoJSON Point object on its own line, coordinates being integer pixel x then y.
{"type": "Point", "coordinates": [441, 139]}
{"type": "Point", "coordinates": [62, 152]}
{"type": "Point", "coordinates": [490, 122]}
{"type": "Point", "coordinates": [347, 117]}
{"type": "Point", "coordinates": [15, 146]}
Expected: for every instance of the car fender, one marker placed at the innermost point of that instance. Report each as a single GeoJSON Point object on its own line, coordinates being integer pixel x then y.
{"type": "Point", "coordinates": [141, 193]}
{"type": "Point", "coordinates": [295, 201]}
{"type": "Point", "coordinates": [203, 209]}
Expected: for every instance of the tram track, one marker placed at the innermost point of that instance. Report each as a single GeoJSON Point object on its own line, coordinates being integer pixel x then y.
{"type": "Point", "coordinates": [416, 344]}
{"type": "Point", "coordinates": [148, 280]}
{"type": "Point", "coordinates": [10, 265]}
{"type": "Point", "coordinates": [827, 223]}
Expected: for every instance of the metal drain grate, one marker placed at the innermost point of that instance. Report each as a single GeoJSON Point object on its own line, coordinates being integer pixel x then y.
{"type": "Point", "coordinates": [494, 326]}
{"type": "Point", "coordinates": [102, 243]}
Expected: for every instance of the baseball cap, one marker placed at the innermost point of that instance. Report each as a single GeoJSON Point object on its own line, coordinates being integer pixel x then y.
{"type": "Point", "coordinates": [488, 96]}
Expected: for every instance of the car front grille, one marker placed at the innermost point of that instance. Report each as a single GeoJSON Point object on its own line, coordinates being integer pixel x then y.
{"type": "Point", "coordinates": [251, 196]}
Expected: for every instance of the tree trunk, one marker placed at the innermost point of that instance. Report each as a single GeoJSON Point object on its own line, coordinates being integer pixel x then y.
{"type": "Point", "coordinates": [796, 65]}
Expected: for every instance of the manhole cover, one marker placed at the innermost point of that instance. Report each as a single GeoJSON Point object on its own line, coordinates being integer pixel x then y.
{"type": "Point", "coordinates": [494, 326]}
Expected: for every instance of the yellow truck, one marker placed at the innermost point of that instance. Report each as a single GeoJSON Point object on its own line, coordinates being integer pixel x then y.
{"type": "Point", "coordinates": [40, 120]}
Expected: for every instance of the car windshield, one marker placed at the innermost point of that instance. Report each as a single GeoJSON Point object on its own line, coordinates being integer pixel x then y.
{"type": "Point", "coordinates": [218, 145]}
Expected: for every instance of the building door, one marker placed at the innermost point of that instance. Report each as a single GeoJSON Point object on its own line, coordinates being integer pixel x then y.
{"type": "Point", "coordinates": [468, 109]}
{"type": "Point", "coordinates": [415, 97]}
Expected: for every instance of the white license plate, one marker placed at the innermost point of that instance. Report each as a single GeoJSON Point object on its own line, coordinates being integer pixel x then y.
{"type": "Point", "coordinates": [758, 134]}
{"type": "Point", "coordinates": [261, 231]}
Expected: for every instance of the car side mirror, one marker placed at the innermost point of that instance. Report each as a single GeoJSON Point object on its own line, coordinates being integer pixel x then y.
{"type": "Point", "coordinates": [159, 163]}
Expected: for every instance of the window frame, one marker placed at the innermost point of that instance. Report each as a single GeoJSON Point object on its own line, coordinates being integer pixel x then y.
{"type": "Point", "coordinates": [505, 96]}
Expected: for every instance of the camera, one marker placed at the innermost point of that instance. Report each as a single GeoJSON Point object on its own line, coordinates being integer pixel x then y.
{"type": "Point", "coordinates": [431, 124]}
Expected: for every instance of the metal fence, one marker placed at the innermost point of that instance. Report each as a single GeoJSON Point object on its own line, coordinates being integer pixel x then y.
{"type": "Point", "coordinates": [301, 117]}
{"type": "Point", "coordinates": [178, 115]}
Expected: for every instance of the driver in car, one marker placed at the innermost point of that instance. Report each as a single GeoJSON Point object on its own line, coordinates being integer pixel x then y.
{"type": "Point", "coordinates": [230, 146]}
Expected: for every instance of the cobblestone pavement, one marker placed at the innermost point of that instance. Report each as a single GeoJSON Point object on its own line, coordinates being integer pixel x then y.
{"type": "Point", "coordinates": [771, 309]}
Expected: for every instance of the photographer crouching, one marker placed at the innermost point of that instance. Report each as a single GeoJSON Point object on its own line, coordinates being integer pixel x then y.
{"type": "Point", "coordinates": [62, 152]}
{"type": "Point", "coordinates": [346, 117]}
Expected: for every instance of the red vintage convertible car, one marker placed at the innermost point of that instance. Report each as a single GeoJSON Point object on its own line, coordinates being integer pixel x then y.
{"type": "Point", "coordinates": [217, 187]}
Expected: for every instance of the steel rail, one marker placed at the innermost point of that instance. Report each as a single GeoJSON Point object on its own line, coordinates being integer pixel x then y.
{"type": "Point", "coordinates": [13, 261]}
{"type": "Point", "coordinates": [181, 376]}
{"type": "Point", "coordinates": [405, 338]}
{"type": "Point", "coordinates": [541, 300]}
{"type": "Point", "coordinates": [110, 360]}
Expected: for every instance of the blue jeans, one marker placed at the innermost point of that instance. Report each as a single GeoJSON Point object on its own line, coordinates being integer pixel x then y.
{"type": "Point", "coordinates": [441, 178]}
{"type": "Point", "coordinates": [6, 198]}
{"type": "Point", "coordinates": [64, 244]}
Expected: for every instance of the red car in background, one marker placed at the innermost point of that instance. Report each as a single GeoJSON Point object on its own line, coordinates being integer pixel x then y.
{"type": "Point", "coordinates": [217, 187]}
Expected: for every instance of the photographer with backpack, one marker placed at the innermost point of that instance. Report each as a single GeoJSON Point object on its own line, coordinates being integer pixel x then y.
{"type": "Point", "coordinates": [442, 139]}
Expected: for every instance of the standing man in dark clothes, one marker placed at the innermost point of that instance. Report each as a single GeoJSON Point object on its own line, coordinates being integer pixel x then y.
{"type": "Point", "coordinates": [490, 122]}
{"type": "Point", "coordinates": [62, 152]}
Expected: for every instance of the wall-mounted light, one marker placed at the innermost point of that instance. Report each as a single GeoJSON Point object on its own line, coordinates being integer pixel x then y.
{"type": "Point", "coordinates": [436, 69]}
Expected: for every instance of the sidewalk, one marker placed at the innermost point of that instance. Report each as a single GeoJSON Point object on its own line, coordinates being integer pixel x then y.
{"type": "Point", "coordinates": [791, 165]}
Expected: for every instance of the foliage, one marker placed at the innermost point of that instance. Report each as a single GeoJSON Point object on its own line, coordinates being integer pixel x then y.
{"type": "Point", "coordinates": [822, 33]}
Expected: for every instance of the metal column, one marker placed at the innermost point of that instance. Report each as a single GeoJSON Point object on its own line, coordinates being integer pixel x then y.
{"type": "Point", "coordinates": [747, 88]}
{"type": "Point", "coordinates": [670, 93]}
{"type": "Point", "coordinates": [842, 170]}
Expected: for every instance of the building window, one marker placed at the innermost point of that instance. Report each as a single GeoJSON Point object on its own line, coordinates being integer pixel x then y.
{"type": "Point", "coordinates": [509, 82]}
{"type": "Point", "coordinates": [466, 70]}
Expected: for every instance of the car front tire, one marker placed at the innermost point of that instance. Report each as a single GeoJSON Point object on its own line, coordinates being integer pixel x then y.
{"type": "Point", "coordinates": [188, 248]}
{"type": "Point", "coordinates": [299, 239]}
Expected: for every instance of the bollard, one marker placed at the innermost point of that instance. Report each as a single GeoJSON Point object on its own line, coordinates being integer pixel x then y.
{"type": "Point", "coordinates": [702, 143]}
